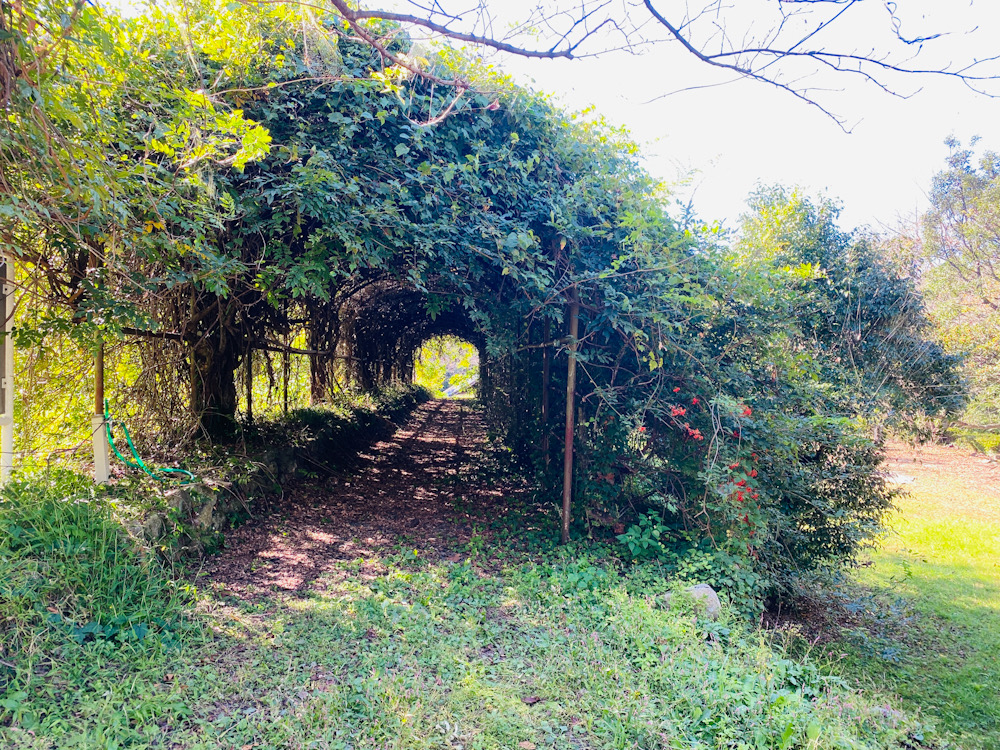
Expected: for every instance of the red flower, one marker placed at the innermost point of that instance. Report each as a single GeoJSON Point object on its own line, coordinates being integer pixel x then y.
{"type": "Point", "coordinates": [677, 390]}
{"type": "Point", "coordinates": [695, 434]}
{"type": "Point", "coordinates": [733, 467]}
{"type": "Point", "coordinates": [747, 412]}
{"type": "Point", "coordinates": [753, 472]}
{"type": "Point", "coordinates": [642, 429]}
{"type": "Point", "coordinates": [739, 496]}
{"type": "Point", "coordinates": [677, 411]}
{"type": "Point", "coordinates": [741, 483]}
{"type": "Point", "coordinates": [694, 401]}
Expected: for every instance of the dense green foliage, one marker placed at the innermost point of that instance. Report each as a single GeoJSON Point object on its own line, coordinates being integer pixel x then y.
{"type": "Point", "coordinates": [811, 340]}
{"type": "Point", "coordinates": [845, 302]}
{"type": "Point", "coordinates": [266, 176]}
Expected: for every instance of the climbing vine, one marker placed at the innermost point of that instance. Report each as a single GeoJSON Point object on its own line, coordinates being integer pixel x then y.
{"type": "Point", "coordinates": [235, 181]}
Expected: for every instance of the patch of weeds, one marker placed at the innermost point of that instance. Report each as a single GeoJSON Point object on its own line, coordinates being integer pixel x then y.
{"type": "Point", "coordinates": [66, 558]}
{"type": "Point", "coordinates": [475, 545]}
{"type": "Point", "coordinates": [74, 589]}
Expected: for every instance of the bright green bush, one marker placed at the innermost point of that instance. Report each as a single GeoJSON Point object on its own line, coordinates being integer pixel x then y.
{"type": "Point", "coordinates": [979, 440]}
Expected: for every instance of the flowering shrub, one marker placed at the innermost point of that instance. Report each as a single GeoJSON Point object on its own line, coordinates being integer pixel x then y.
{"type": "Point", "coordinates": [756, 456]}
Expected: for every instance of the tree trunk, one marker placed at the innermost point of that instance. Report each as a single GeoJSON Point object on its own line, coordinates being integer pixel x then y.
{"type": "Point", "coordinates": [286, 373]}
{"type": "Point", "coordinates": [319, 380]}
{"type": "Point", "coordinates": [321, 338]}
{"type": "Point", "coordinates": [214, 360]}
{"type": "Point", "coordinates": [248, 376]}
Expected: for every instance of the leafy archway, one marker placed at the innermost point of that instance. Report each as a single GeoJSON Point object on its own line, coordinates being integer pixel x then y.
{"type": "Point", "coordinates": [710, 397]}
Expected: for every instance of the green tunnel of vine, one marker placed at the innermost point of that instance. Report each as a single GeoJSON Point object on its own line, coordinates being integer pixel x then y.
{"type": "Point", "coordinates": [251, 172]}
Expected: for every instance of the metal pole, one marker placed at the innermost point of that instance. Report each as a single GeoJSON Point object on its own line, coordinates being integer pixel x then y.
{"type": "Point", "coordinates": [7, 370]}
{"type": "Point", "coordinates": [574, 330]}
{"type": "Point", "coordinates": [102, 468]}
{"type": "Point", "coordinates": [546, 379]}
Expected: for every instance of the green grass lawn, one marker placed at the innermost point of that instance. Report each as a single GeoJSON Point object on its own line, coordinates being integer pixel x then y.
{"type": "Point", "coordinates": [493, 645]}
{"type": "Point", "coordinates": [928, 628]}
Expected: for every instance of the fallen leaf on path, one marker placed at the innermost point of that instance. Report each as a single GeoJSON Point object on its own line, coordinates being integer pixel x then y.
{"type": "Point", "coordinates": [531, 700]}
{"type": "Point", "coordinates": [526, 745]}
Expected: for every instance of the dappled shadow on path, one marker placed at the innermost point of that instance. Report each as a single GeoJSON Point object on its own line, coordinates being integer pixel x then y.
{"type": "Point", "coordinates": [413, 491]}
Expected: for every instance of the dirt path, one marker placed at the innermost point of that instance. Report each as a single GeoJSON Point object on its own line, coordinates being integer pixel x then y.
{"type": "Point", "coordinates": [415, 490]}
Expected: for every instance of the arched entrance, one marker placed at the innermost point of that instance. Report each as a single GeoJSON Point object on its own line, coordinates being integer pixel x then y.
{"type": "Point", "coordinates": [447, 366]}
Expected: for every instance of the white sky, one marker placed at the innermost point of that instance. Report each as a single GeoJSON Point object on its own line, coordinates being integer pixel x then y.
{"type": "Point", "coordinates": [743, 134]}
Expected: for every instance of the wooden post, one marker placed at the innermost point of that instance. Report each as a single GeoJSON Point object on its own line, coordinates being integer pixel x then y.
{"type": "Point", "coordinates": [102, 468]}
{"type": "Point", "coordinates": [546, 380]}
{"type": "Point", "coordinates": [574, 330]}
{"type": "Point", "coordinates": [248, 382]}
{"type": "Point", "coordinates": [7, 369]}
{"type": "Point", "coordinates": [314, 365]}
{"type": "Point", "coordinates": [286, 372]}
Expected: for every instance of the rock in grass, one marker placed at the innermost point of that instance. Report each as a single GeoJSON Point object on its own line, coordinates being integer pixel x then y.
{"type": "Point", "coordinates": [152, 527]}
{"type": "Point", "coordinates": [705, 598]}
{"type": "Point", "coordinates": [205, 520]}
{"type": "Point", "coordinates": [179, 499]}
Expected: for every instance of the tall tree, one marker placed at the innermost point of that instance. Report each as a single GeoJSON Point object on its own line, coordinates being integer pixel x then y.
{"type": "Point", "coordinates": [960, 264]}
{"type": "Point", "coordinates": [843, 302]}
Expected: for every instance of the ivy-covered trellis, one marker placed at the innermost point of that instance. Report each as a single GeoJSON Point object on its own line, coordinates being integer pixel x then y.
{"type": "Point", "coordinates": [251, 172]}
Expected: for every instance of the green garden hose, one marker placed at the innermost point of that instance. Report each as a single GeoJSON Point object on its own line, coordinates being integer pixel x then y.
{"type": "Point", "coordinates": [139, 463]}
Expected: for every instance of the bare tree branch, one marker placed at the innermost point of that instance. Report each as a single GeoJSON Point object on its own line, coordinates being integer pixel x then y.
{"type": "Point", "coordinates": [794, 49]}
